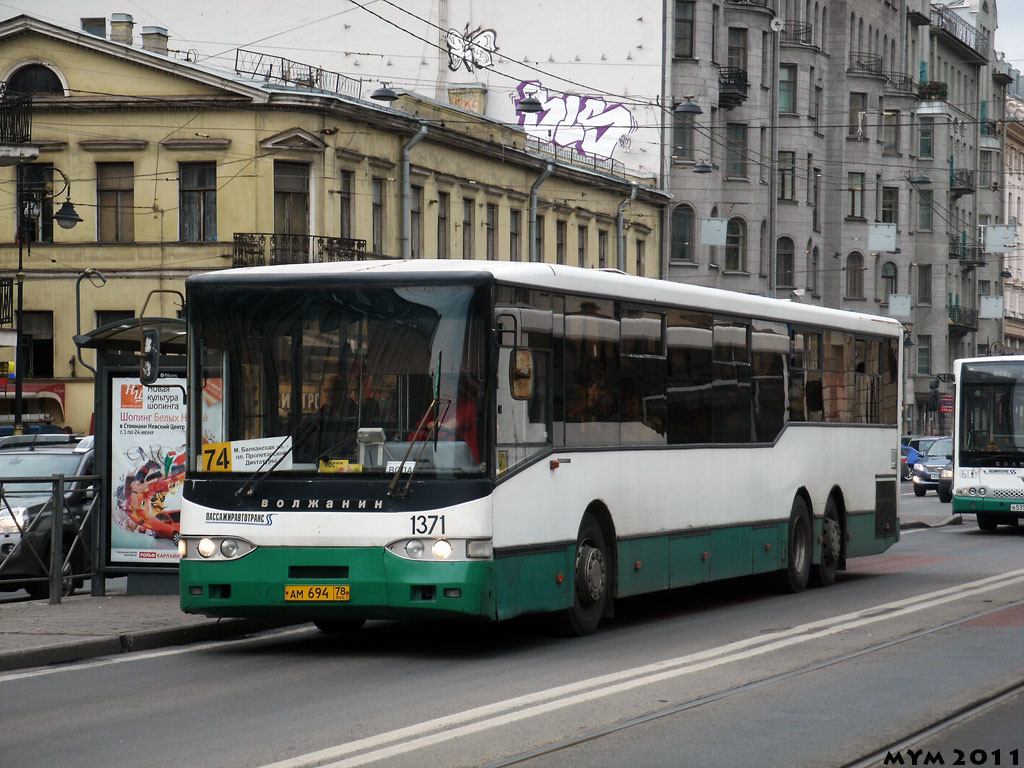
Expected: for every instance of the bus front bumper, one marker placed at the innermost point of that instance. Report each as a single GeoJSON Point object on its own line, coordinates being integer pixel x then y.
{"type": "Point", "coordinates": [987, 505]}
{"type": "Point", "coordinates": [380, 585]}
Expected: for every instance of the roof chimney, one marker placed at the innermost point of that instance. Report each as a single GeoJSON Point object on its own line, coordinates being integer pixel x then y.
{"type": "Point", "coordinates": [121, 28]}
{"type": "Point", "coordinates": [154, 39]}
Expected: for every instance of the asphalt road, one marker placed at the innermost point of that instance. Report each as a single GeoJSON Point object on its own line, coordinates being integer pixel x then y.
{"type": "Point", "coordinates": [727, 675]}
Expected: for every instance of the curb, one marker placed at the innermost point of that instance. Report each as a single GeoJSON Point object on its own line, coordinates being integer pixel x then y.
{"type": "Point", "coordinates": [127, 642]}
{"type": "Point", "coordinates": [918, 524]}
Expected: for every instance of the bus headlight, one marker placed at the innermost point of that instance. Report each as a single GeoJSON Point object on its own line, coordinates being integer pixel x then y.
{"type": "Point", "coordinates": [442, 549]}
{"type": "Point", "coordinates": [229, 548]}
{"type": "Point", "coordinates": [213, 548]}
{"type": "Point", "coordinates": [182, 548]}
{"type": "Point", "coordinates": [206, 547]}
{"type": "Point", "coordinates": [414, 548]}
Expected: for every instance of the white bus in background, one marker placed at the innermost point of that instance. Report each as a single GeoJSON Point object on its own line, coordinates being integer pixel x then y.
{"type": "Point", "coordinates": [988, 440]}
{"type": "Point", "coordinates": [628, 436]}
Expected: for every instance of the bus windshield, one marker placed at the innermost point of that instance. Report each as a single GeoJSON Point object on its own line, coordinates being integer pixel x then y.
{"type": "Point", "coordinates": [991, 413]}
{"type": "Point", "coordinates": [358, 379]}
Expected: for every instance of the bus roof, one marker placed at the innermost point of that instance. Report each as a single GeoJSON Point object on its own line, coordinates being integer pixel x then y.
{"type": "Point", "coordinates": [595, 282]}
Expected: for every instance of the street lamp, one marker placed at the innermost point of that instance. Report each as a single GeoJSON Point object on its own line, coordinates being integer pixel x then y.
{"type": "Point", "coordinates": [30, 204]}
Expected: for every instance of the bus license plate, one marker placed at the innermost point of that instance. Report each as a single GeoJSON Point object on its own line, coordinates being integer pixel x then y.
{"type": "Point", "coordinates": [318, 592]}
{"type": "Point", "coordinates": [1017, 507]}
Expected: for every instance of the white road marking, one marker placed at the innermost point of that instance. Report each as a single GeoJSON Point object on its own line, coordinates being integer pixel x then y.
{"type": "Point", "coordinates": [432, 732]}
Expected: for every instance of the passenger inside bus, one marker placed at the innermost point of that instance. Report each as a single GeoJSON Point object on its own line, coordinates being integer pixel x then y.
{"type": "Point", "coordinates": [457, 421]}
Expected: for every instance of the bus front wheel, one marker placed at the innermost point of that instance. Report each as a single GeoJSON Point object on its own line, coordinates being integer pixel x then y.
{"type": "Point", "coordinates": [793, 578]}
{"type": "Point", "coordinates": [824, 573]}
{"type": "Point", "coordinates": [590, 581]}
{"type": "Point", "coordinates": [987, 522]}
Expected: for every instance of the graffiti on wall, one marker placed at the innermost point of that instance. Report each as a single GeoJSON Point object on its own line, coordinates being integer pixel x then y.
{"type": "Point", "coordinates": [471, 49]}
{"type": "Point", "coordinates": [590, 124]}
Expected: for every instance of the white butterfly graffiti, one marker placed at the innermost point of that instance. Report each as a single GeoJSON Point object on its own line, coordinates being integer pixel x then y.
{"type": "Point", "coordinates": [472, 49]}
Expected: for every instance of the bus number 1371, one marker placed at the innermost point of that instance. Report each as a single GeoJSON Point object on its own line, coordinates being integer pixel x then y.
{"type": "Point", "coordinates": [424, 525]}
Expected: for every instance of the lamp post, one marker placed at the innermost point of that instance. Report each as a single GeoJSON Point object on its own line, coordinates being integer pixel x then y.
{"type": "Point", "coordinates": [30, 205]}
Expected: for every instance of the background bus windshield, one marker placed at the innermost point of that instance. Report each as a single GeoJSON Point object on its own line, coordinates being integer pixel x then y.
{"type": "Point", "coordinates": [992, 413]}
{"type": "Point", "coordinates": [352, 377]}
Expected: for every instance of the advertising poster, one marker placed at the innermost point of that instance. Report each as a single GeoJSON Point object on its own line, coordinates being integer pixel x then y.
{"type": "Point", "coordinates": [147, 462]}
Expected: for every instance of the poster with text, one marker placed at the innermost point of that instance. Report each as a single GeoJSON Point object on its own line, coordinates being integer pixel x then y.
{"type": "Point", "coordinates": [147, 463]}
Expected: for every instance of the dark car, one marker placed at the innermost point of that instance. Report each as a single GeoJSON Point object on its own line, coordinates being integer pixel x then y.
{"type": "Point", "coordinates": [945, 489]}
{"type": "Point", "coordinates": [929, 466]}
{"type": "Point", "coordinates": [25, 509]}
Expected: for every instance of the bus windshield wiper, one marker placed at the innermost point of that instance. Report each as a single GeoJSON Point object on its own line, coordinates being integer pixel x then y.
{"type": "Point", "coordinates": [433, 408]}
{"type": "Point", "coordinates": [298, 436]}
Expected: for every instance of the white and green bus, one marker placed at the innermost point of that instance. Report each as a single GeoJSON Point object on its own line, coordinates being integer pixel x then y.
{"type": "Point", "coordinates": [407, 439]}
{"type": "Point", "coordinates": [988, 440]}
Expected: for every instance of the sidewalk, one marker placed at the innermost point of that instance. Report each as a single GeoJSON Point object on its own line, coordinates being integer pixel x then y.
{"type": "Point", "coordinates": [34, 633]}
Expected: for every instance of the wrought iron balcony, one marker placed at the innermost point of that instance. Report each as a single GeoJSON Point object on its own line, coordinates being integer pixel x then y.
{"type": "Point", "coordinates": [759, 3]}
{"type": "Point", "coordinates": [969, 255]}
{"type": "Point", "coordinates": [899, 81]}
{"type": "Point", "coordinates": [16, 119]}
{"type": "Point", "coordinates": [961, 182]}
{"type": "Point", "coordinates": [732, 86]}
{"type": "Point", "coordinates": [6, 300]}
{"type": "Point", "coordinates": [795, 32]}
{"type": "Point", "coordinates": [865, 62]}
{"type": "Point", "coordinates": [967, 35]}
{"type": "Point", "coordinates": [963, 319]}
{"type": "Point", "coordinates": [256, 249]}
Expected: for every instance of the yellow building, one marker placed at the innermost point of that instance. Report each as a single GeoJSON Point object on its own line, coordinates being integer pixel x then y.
{"type": "Point", "coordinates": [177, 168]}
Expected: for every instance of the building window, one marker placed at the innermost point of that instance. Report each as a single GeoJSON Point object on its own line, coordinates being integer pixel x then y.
{"type": "Point", "coordinates": [815, 200]}
{"type": "Point", "coordinates": [815, 109]}
{"type": "Point", "coordinates": [855, 195]}
{"type": "Point", "coordinates": [924, 284]}
{"type": "Point", "coordinates": [890, 281]}
{"type": "Point", "coordinates": [787, 179]}
{"type": "Point", "coordinates": [737, 53]}
{"type": "Point", "coordinates": [684, 29]}
{"type": "Point", "coordinates": [682, 233]}
{"type": "Point", "coordinates": [37, 344]}
{"type": "Point", "coordinates": [515, 220]}
{"type": "Point", "coordinates": [682, 137]}
{"type": "Point", "coordinates": [736, 245]}
{"type": "Point", "coordinates": [641, 258]}
{"type": "Point", "coordinates": [444, 207]}
{"type": "Point", "coordinates": [467, 228]}
{"type": "Point", "coordinates": [416, 223]}
{"type": "Point", "coordinates": [492, 231]}
{"type": "Point", "coordinates": [36, 210]}
{"type": "Point", "coordinates": [812, 272]}
{"type": "Point", "coordinates": [858, 118]}
{"type": "Point", "coordinates": [539, 239]}
{"type": "Point", "coordinates": [926, 137]}
{"type": "Point", "coordinates": [602, 248]}
{"type": "Point", "coordinates": [377, 202]}
{"type": "Point", "coordinates": [35, 79]}
{"type": "Point", "coordinates": [891, 131]}
{"type": "Point", "coordinates": [560, 228]}
{"type": "Point", "coordinates": [924, 209]}
{"type": "Point", "coordinates": [582, 233]}
{"type": "Point", "coordinates": [985, 178]}
{"type": "Point", "coordinates": [736, 150]}
{"type": "Point", "coordinates": [197, 202]}
{"type": "Point", "coordinates": [115, 201]}
{"type": "Point", "coordinates": [345, 182]}
{"type": "Point", "coordinates": [784, 252]}
{"type": "Point", "coordinates": [104, 316]}
{"type": "Point", "coordinates": [890, 205]}
{"type": "Point", "coordinates": [924, 355]}
{"type": "Point", "coordinates": [855, 276]}
{"type": "Point", "coordinates": [787, 88]}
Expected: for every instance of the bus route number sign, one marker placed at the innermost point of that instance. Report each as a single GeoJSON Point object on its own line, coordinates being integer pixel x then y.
{"type": "Point", "coordinates": [318, 592]}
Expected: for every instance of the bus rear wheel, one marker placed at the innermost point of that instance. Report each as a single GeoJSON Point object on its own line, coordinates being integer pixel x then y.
{"type": "Point", "coordinates": [824, 573]}
{"type": "Point", "coordinates": [590, 582]}
{"type": "Point", "coordinates": [793, 578]}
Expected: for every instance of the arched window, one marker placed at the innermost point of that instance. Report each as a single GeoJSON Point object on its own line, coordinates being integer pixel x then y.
{"type": "Point", "coordinates": [890, 282]}
{"type": "Point", "coordinates": [762, 247]}
{"type": "Point", "coordinates": [855, 275]}
{"type": "Point", "coordinates": [682, 233]}
{"type": "Point", "coordinates": [812, 280]}
{"type": "Point", "coordinates": [736, 245]}
{"type": "Point", "coordinates": [714, 255]}
{"type": "Point", "coordinates": [35, 79]}
{"type": "Point", "coordinates": [824, 25]}
{"type": "Point", "coordinates": [784, 262]}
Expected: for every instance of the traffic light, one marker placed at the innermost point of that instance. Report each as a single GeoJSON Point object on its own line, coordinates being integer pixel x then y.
{"type": "Point", "coordinates": [933, 397]}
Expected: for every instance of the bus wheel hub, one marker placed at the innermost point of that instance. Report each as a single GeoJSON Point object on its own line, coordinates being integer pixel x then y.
{"type": "Point", "coordinates": [832, 543]}
{"type": "Point", "coordinates": [590, 573]}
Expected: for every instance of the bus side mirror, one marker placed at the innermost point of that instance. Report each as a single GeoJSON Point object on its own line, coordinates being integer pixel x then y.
{"type": "Point", "coordinates": [149, 357]}
{"type": "Point", "coordinates": [520, 374]}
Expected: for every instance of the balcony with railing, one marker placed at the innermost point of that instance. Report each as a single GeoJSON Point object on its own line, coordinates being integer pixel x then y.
{"type": "Point", "coordinates": [990, 128]}
{"type": "Point", "coordinates": [6, 300]}
{"type": "Point", "coordinates": [972, 42]}
{"type": "Point", "coordinates": [257, 249]}
{"type": "Point", "coordinates": [933, 90]}
{"type": "Point", "coordinates": [15, 119]}
{"type": "Point", "coordinates": [732, 87]}
{"type": "Point", "coordinates": [795, 32]}
{"type": "Point", "coordinates": [962, 320]}
{"type": "Point", "coordinates": [900, 82]}
{"type": "Point", "coordinates": [759, 3]}
{"type": "Point", "coordinates": [865, 63]}
{"type": "Point", "coordinates": [968, 255]}
{"type": "Point", "coordinates": [961, 182]}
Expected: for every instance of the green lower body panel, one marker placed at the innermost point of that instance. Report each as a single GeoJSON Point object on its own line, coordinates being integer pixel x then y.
{"type": "Point", "coordinates": [534, 583]}
{"type": "Point", "coordinates": [999, 509]}
{"type": "Point", "coordinates": [380, 584]}
{"type": "Point", "coordinates": [861, 537]}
